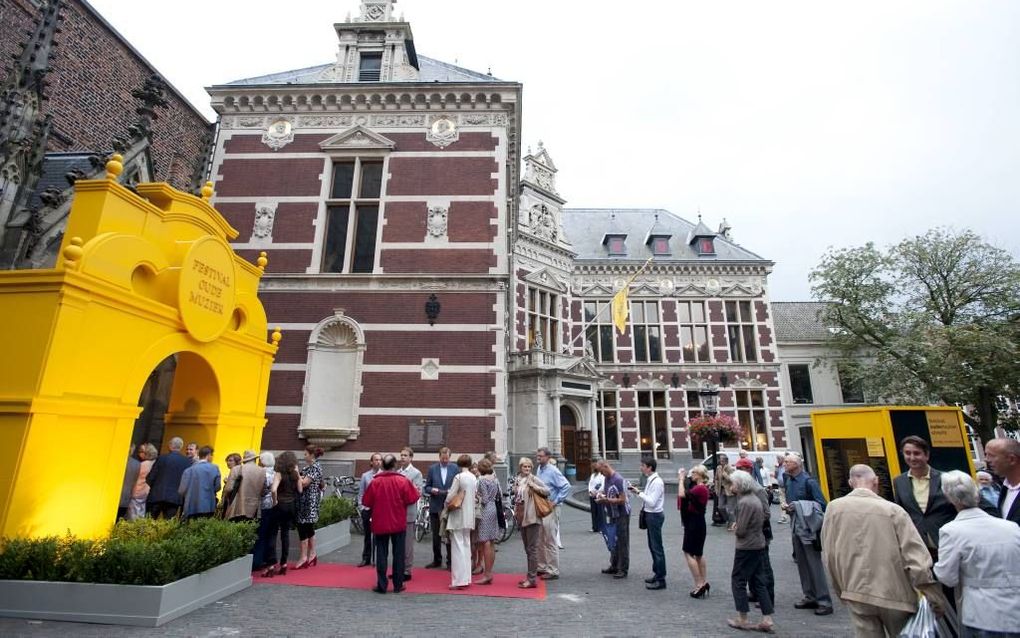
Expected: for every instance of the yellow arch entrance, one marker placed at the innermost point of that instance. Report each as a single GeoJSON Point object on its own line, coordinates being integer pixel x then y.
{"type": "Point", "coordinates": [140, 277]}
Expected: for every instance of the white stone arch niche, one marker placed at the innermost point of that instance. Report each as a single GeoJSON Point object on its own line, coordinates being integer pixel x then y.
{"type": "Point", "coordinates": [332, 389]}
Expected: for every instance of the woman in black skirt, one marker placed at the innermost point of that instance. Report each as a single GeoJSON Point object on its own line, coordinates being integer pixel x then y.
{"type": "Point", "coordinates": [692, 503]}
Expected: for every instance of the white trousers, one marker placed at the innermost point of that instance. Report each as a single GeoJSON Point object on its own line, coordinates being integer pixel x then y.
{"type": "Point", "coordinates": [548, 548]}
{"type": "Point", "coordinates": [460, 557]}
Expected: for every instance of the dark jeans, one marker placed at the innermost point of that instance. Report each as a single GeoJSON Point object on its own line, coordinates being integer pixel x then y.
{"type": "Point", "coordinates": [281, 520]}
{"type": "Point", "coordinates": [619, 558]}
{"type": "Point", "coordinates": [366, 524]}
{"type": "Point", "coordinates": [596, 515]}
{"type": "Point", "coordinates": [654, 522]}
{"type": "Point", "coordinates": [382, 546]}
{"type": "Point", "coordinates": [162, 509]}
{"type": "Point", "coordinates": [749, 567]}
{"type": "Point", "coordinates": [264, 545]}
{"type": "Point", "coordinates": [437, 542]}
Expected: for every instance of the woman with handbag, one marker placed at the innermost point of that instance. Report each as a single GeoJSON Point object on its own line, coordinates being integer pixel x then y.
{"type": "Point", "coordinates": [529, 494]}
{"type": "Point", "coordinates": [460, 520]}
{"type": "Point", "coordinates": [488, 529]}
{"type": "Point", "coordinates": [286, 491]}
{"type": "Point", "coordinates": [308, 506]}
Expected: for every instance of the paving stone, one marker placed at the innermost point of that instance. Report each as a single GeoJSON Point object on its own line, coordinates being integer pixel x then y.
{"type": "Point", "coordinates": [583, 602]}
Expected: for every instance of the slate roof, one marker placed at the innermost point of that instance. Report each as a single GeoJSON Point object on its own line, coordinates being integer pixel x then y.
{"type": "Point", "coordinates": [55, 167]}
{"type": "Point", "coordinates": [798, 321]}
{"type": "Point", "coordinates": [585, 229]}
{"type": "Point", "coordinates": [429, 71]}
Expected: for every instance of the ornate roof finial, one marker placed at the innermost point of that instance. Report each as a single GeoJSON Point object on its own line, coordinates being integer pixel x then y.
{"type": "Point", "coordinates": [376, 11]}
{"type": "Point", "coordinates": [207, 191]}
{"type": "Point", "coordinates": [114, 167]}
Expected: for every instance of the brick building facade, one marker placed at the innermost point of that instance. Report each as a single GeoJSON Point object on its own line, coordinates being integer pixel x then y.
{"type": "Point", "coordinates": [430, 295]}
{"type": "Point", "coordinates": [93, 72]}
{"type": "Point", "coordinates": [380, 186]}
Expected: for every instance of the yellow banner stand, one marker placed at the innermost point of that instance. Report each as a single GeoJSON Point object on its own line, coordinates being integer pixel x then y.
{"type": "Point", "coordinates": [140, 277]}
{"type": "Point", "coordinates": [871, 436]}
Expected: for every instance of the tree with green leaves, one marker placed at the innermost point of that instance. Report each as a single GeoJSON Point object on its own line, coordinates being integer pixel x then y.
{"type": "Point", "coordinates": [934, 318]}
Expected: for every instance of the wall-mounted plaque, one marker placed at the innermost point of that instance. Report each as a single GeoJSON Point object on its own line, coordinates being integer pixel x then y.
{"type": "Point", "coordinates": [426, 435]}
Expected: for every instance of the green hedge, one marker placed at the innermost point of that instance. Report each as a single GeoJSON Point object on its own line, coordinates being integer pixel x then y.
{"type": "Point", "coordinates": [140, 552]}
{"type": "Point", "coordinates": [334, 509]}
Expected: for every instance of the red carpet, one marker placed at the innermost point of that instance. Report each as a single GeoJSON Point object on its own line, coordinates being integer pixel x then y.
{"type": "Point", "coordinates": [425, 581]}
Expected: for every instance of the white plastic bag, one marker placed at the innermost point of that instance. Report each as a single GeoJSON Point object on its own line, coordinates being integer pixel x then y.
{"type": "Point", "coordinates": [922, 624]}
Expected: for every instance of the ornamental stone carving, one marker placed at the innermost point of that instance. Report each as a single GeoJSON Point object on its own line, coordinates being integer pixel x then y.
{"type": "Point", "coordinates": [543, 222]}
{"type": "Point", "coordinates": [436, 226]}
{"type": "Point", "coordinates": [265, 214]}
{"type": "Point", "coordinates": [443, 132]}
{"type": "Point", "coordinates": [279, 134]}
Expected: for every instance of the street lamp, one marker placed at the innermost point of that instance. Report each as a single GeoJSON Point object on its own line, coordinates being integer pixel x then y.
{"type": "Point", "coordinates": [709, 398]}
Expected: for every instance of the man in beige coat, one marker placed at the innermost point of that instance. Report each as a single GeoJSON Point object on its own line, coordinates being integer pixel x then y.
{"type": "Point", "coordinates": [876, 558]}
{"type": "Point", "coordinates": [244, 486]}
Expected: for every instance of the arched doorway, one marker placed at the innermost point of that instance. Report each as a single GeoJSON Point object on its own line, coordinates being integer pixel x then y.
{"type": "Point", "coordinates": [568, 430]}
{"type": "Point", "coordinates": [154, 401]}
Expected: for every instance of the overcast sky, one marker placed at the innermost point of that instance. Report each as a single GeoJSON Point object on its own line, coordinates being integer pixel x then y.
{"type": "Point", "coordinates": [805, 124]}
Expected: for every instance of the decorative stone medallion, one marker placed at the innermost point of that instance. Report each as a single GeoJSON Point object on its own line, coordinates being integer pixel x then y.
{"type": "Point", "coordinates": [279, 134]}
{"type": "Point", "coordinates": [443, 132]}
{"type": "Point", "coordinates": [264, 216]}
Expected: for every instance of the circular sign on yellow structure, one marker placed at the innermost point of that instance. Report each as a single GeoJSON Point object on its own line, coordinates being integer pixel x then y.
{"type": "Point", "coordinates": [206, 291]}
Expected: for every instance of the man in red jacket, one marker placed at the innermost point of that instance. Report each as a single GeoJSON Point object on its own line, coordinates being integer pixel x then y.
{"type": "Point", "coordinates": [388, 496]}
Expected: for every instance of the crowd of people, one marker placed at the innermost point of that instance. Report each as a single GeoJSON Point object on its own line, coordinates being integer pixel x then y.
{"type": "Point", "coordinates": [953, 539]}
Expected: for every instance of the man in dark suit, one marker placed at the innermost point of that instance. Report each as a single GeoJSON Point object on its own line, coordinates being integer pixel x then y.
{"type": "Point", "coordinates": [1003, 456]}
{"type": "Point", "coordinates": [164, 478]}
{"type": "Point", "coordinates": [437, 484]}
{"type": "Point", "coordinates": [919, 492]}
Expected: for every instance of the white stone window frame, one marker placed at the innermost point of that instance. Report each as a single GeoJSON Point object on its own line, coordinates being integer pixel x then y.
{"type": "Point", "coordinates": [652, 387]}
{"type": "Point", "coordinates": [334, 339]}
{"type": "Point", "coordinates": [748, 388]}
{"type": "Point", "coordinates": [634, 324]}
{"type": "Point", "coordinates": [352, 204]}
{"type": "Point", "coordinates": [601, 414]}
{"type": "Point", "coordinates": [741, 323]}
{"type": "Point", "coordinates": [693, 325]}
{"type": "Point", "coordinates": [603, 317]}
{"type": "Point", "coordinates": [553, 319]}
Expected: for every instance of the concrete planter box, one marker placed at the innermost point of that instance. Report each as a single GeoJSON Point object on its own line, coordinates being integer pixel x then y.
{"type": "Point", "coordinates": [137, 605]}
{"type": "Point", "coordinates": [332, 537]}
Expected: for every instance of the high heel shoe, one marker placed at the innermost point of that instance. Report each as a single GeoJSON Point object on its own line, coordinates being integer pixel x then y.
{"type": "Point", "coordinates": [313, 561]}
{"type": "Point", "coordinates": [269, 572]}
{"type": "Point", "coordinates": [301, 565]}
{"type": "Point", "coordinates": [702, 591]}
{"type": "Point", "coordinates": [282, 569]}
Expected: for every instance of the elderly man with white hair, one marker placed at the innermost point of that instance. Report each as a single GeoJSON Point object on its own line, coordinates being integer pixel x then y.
{"type": "Point", "coordinates": [981, 553]}
{"type": "Point", "coordinates": [876, 558]}
{"type": "Point", "coordinates": [806, 505]}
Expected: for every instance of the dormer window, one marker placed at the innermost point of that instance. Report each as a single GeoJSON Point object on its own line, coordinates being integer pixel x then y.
{"type": "Point", "coordinates": [616, 244]}
{"type": "Point", "coordinates": [370, 69]}
{"type": "Point", "coordinates": [659, 245]}
{"type": "Point", "coordinates": [706, 246]}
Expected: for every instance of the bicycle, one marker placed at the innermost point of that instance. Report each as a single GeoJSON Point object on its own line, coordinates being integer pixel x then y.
{"type": "Point", "coordinates": [421, 521]}
{"type": "Point", "coordinates": [508, 515]}
{"type": "Point", "coordinates": [347, 487]}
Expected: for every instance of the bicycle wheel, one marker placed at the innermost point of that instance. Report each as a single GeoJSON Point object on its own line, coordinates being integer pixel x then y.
{"type": "Point", "coordinates": [356, 522]}
{"type": "Point", "coordinates": [419, 530]}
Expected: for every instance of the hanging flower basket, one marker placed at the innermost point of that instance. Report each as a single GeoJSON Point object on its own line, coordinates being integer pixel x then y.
{"type": "Point", "coordinates": [724, 428]}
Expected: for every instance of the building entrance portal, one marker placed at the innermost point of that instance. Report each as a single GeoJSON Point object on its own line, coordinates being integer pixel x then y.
{"type": "Point", "coordinates": [146, 296]}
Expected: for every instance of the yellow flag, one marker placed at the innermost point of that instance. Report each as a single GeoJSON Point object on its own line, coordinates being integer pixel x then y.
{"type": "Point", "coordinates": [621, 309]}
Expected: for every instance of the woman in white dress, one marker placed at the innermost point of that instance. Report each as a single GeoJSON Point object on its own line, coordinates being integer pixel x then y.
{"type": "Point", "coordinates": [460, 506]}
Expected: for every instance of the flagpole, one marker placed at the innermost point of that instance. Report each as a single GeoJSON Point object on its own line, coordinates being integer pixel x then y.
{"type": "Point", "coordinates": [584, 328]}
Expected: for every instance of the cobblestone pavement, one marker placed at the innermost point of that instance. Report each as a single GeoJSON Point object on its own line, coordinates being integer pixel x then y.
{"type": "Point", "coordinates": [583, 602]}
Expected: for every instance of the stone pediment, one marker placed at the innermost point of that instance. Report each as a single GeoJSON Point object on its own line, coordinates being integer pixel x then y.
{"type": "Point", "coordinates": [357, 138]}
{"type": "Point", "coordinates": [739, 290]}
{"type": "Point", "coordinates": [644, 289]}
{"type": "Point", "coordinates": [690, 290]}
{"type": "Point", "coordinates": [543, 277]}
{"type": "Point", "coordinates": [598, 289]}
{"type": "Point", "coordinates": [583, 367]}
